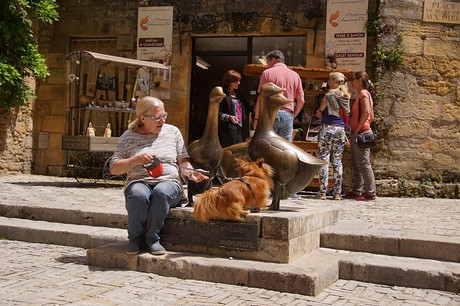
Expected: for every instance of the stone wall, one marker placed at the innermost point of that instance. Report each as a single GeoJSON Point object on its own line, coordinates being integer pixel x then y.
{"type": "Point", "coordinates": [418, 106]}
{"type": "Point", "coordinates": [16, 140]}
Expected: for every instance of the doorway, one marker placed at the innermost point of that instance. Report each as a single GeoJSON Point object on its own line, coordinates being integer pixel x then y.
{"type": "Point", "coordinates": [213, 56]}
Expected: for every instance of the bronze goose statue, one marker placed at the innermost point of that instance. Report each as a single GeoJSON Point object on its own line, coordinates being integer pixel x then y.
{"type": "Point", "coordinates": [206, 152]}
{"type": "Point", "coordinates": [231, 154]}
{"type": "Point", "coordinates": [294, 168]}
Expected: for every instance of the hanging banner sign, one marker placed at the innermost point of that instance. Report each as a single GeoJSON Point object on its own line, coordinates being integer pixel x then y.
{"type": "Point", "coordinates": [154, 34]}
{"type": "Point", "coordinates": [346, 37]}
{"type": "Point", "coordinates": [154, 43]}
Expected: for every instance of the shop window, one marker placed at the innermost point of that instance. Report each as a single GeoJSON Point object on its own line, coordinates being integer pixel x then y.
{"type": "Point", "coordinates": [213, 56]}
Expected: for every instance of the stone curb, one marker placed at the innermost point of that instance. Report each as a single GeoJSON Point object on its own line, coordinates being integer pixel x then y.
{"type": "Point", "coordinates": [82, 236]}
{"type": "Point", "coordinates": [65, 215]}
{"type": "Point", "coordinates": [348, 235]}
{"type": "Point", "coordinates": [398, 271]}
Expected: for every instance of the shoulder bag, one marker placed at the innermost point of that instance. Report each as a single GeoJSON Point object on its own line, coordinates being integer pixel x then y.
{"type": "Point", "coordinates": [367, 139]}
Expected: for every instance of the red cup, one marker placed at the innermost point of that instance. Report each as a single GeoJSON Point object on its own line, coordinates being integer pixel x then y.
{"type": "Point", "coordinates": [155, 168]}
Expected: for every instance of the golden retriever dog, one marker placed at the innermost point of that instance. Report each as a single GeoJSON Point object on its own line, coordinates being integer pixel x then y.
{"type": "Point", "coordinates": [233, 199]}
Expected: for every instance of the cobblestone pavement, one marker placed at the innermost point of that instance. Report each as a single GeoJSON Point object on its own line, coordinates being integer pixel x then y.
{"type": "Point", "coordinates": [40, 274]}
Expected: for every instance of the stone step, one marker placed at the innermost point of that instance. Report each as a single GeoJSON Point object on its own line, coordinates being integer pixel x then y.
{"type": "Point", "coordinates": [50, 213]}
{"type": "Point", "coordinates": [82, 236]}
{"type": "Point", "coordinates": [309, 275]}
{"type": "Point", "coordinates": [353, 236]}
{"type": "Point", "coordinates": [282, 236]}
{"type": "Point", "coordinates": [397, 271]}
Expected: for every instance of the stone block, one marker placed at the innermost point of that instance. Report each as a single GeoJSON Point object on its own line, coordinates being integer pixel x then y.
{"type": "Point", "coordinates": [53, 124]}
{"type": "Point", "coordinates": [438, 87]}
{"type": "Point", "coordinates": [402, 272]}
{"type": "Point", "coordinates": [412, 45]}
{"type": "Point", "coordinates": [111, 256]}
{"type": "Point", "coordinates": [409, 129]}
{"type": "Point", "coordinates": [208, 269]}
{"type": "Point", "coordinates": [168, 265]}
{"type": "Point", "coordinates": [291, 280]}
{"type": "Point", "coordinates": [360, 243]}
{"type": "Point", "coordinates": [125, 42]}
{"type": "Point", "coordinates": [420, 65]}
{"type": "Point", "coordinates": [52, 92]}
{"type": "Point", "coordinates": [438, 47]}
{"type": "Point", "coordinates": [450, 112]}
{"type": "Point", "coordinates": [421, 109]}
{"type": "Point", "coordinates": [431, 247]}
{"type": "Point", "coordinates": [270, 236]}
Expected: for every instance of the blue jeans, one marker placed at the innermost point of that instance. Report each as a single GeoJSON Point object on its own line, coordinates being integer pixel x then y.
{"type": "Point", "coordinates": [284, 124]}
{"type": "Point", "coordinates": [148, 206]}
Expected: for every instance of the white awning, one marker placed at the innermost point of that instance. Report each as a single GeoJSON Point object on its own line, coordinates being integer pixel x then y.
{"type": "Point", "coordinates": [89, 55]}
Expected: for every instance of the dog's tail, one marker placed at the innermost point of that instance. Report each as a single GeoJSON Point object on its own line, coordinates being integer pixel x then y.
{"type": "Point", "coordinates": [205, 205]}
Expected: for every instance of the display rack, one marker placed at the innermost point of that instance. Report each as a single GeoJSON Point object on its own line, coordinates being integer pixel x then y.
{"type": "Point", "coordinates": [100, 104]}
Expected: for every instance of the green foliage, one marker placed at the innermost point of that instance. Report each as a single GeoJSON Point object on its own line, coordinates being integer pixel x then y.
{"type": "Point", "coordinates": [19, 56]}
{"type": "Point", "coordinates": [383, 56]}
{"type": "Point", "coordinates": [426, 182]}
{"type": "Point", "coordinates": [373, 26]}
{"type": "Point", "coordinates": [388, 58]}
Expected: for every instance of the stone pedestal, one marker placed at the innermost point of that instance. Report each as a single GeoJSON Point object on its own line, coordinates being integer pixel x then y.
{"type": "Point", "coordinates": [272, 236]}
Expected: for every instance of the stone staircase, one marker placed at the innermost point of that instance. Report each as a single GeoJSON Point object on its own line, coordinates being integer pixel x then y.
{"type": "Point", "coordinates": [320, 250]}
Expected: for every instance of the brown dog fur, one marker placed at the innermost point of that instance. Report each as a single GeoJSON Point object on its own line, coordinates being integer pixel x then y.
{"type": "Point", "coordinates": [232, 200]}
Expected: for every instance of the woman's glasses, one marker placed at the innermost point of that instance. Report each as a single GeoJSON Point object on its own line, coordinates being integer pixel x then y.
{"type": "Point", "coordinates": [157, 117]}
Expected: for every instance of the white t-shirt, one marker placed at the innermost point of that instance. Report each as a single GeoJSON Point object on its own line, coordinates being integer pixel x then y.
{"type": "Point", "coordinates": [168, 146]}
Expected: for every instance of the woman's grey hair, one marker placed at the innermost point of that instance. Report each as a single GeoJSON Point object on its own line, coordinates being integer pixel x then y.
{"type": "Point", "coordinates": [142, 107]}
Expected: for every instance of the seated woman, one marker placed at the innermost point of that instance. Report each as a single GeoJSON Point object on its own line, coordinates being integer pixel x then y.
{"type": "Point", "coordinates": [148, 199]}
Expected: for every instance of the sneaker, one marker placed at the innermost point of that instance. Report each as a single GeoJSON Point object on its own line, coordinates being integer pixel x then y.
{"type": "Point", "coordinates": [322, 196]}
{"type": "Point", "coordinates": [294, 196]}
{"type": "Point", "coordinates": [132, 248]}
{"type": "Point", "coordinates": [157, 249]}
{"type": "Point", "coordinates": [351, 195]}
{"type": "Point", "coordinates": [337, 197]}
{"type": "Point", "coordinates": [366, 197]}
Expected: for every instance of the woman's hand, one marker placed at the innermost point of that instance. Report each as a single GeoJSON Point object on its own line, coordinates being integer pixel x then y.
{"type": "Point", "coordinates": [189, 172]}
{"type": "Point", "coordinates": [122, 166]}
{"type": "Point", "coordinates": [143, 159]}
{"type": "Point", "coordinates": [354, 134]}
{"type": "Point", "coordinates": [319, 114]}
{"type": "Point", "coordinates": [233, 119]}
{"type": "Point", "coordinates": [196, 176]}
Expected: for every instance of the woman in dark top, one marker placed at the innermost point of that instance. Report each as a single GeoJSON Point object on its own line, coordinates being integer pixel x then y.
{"type": "Point", "coordinates": [232, 113]}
